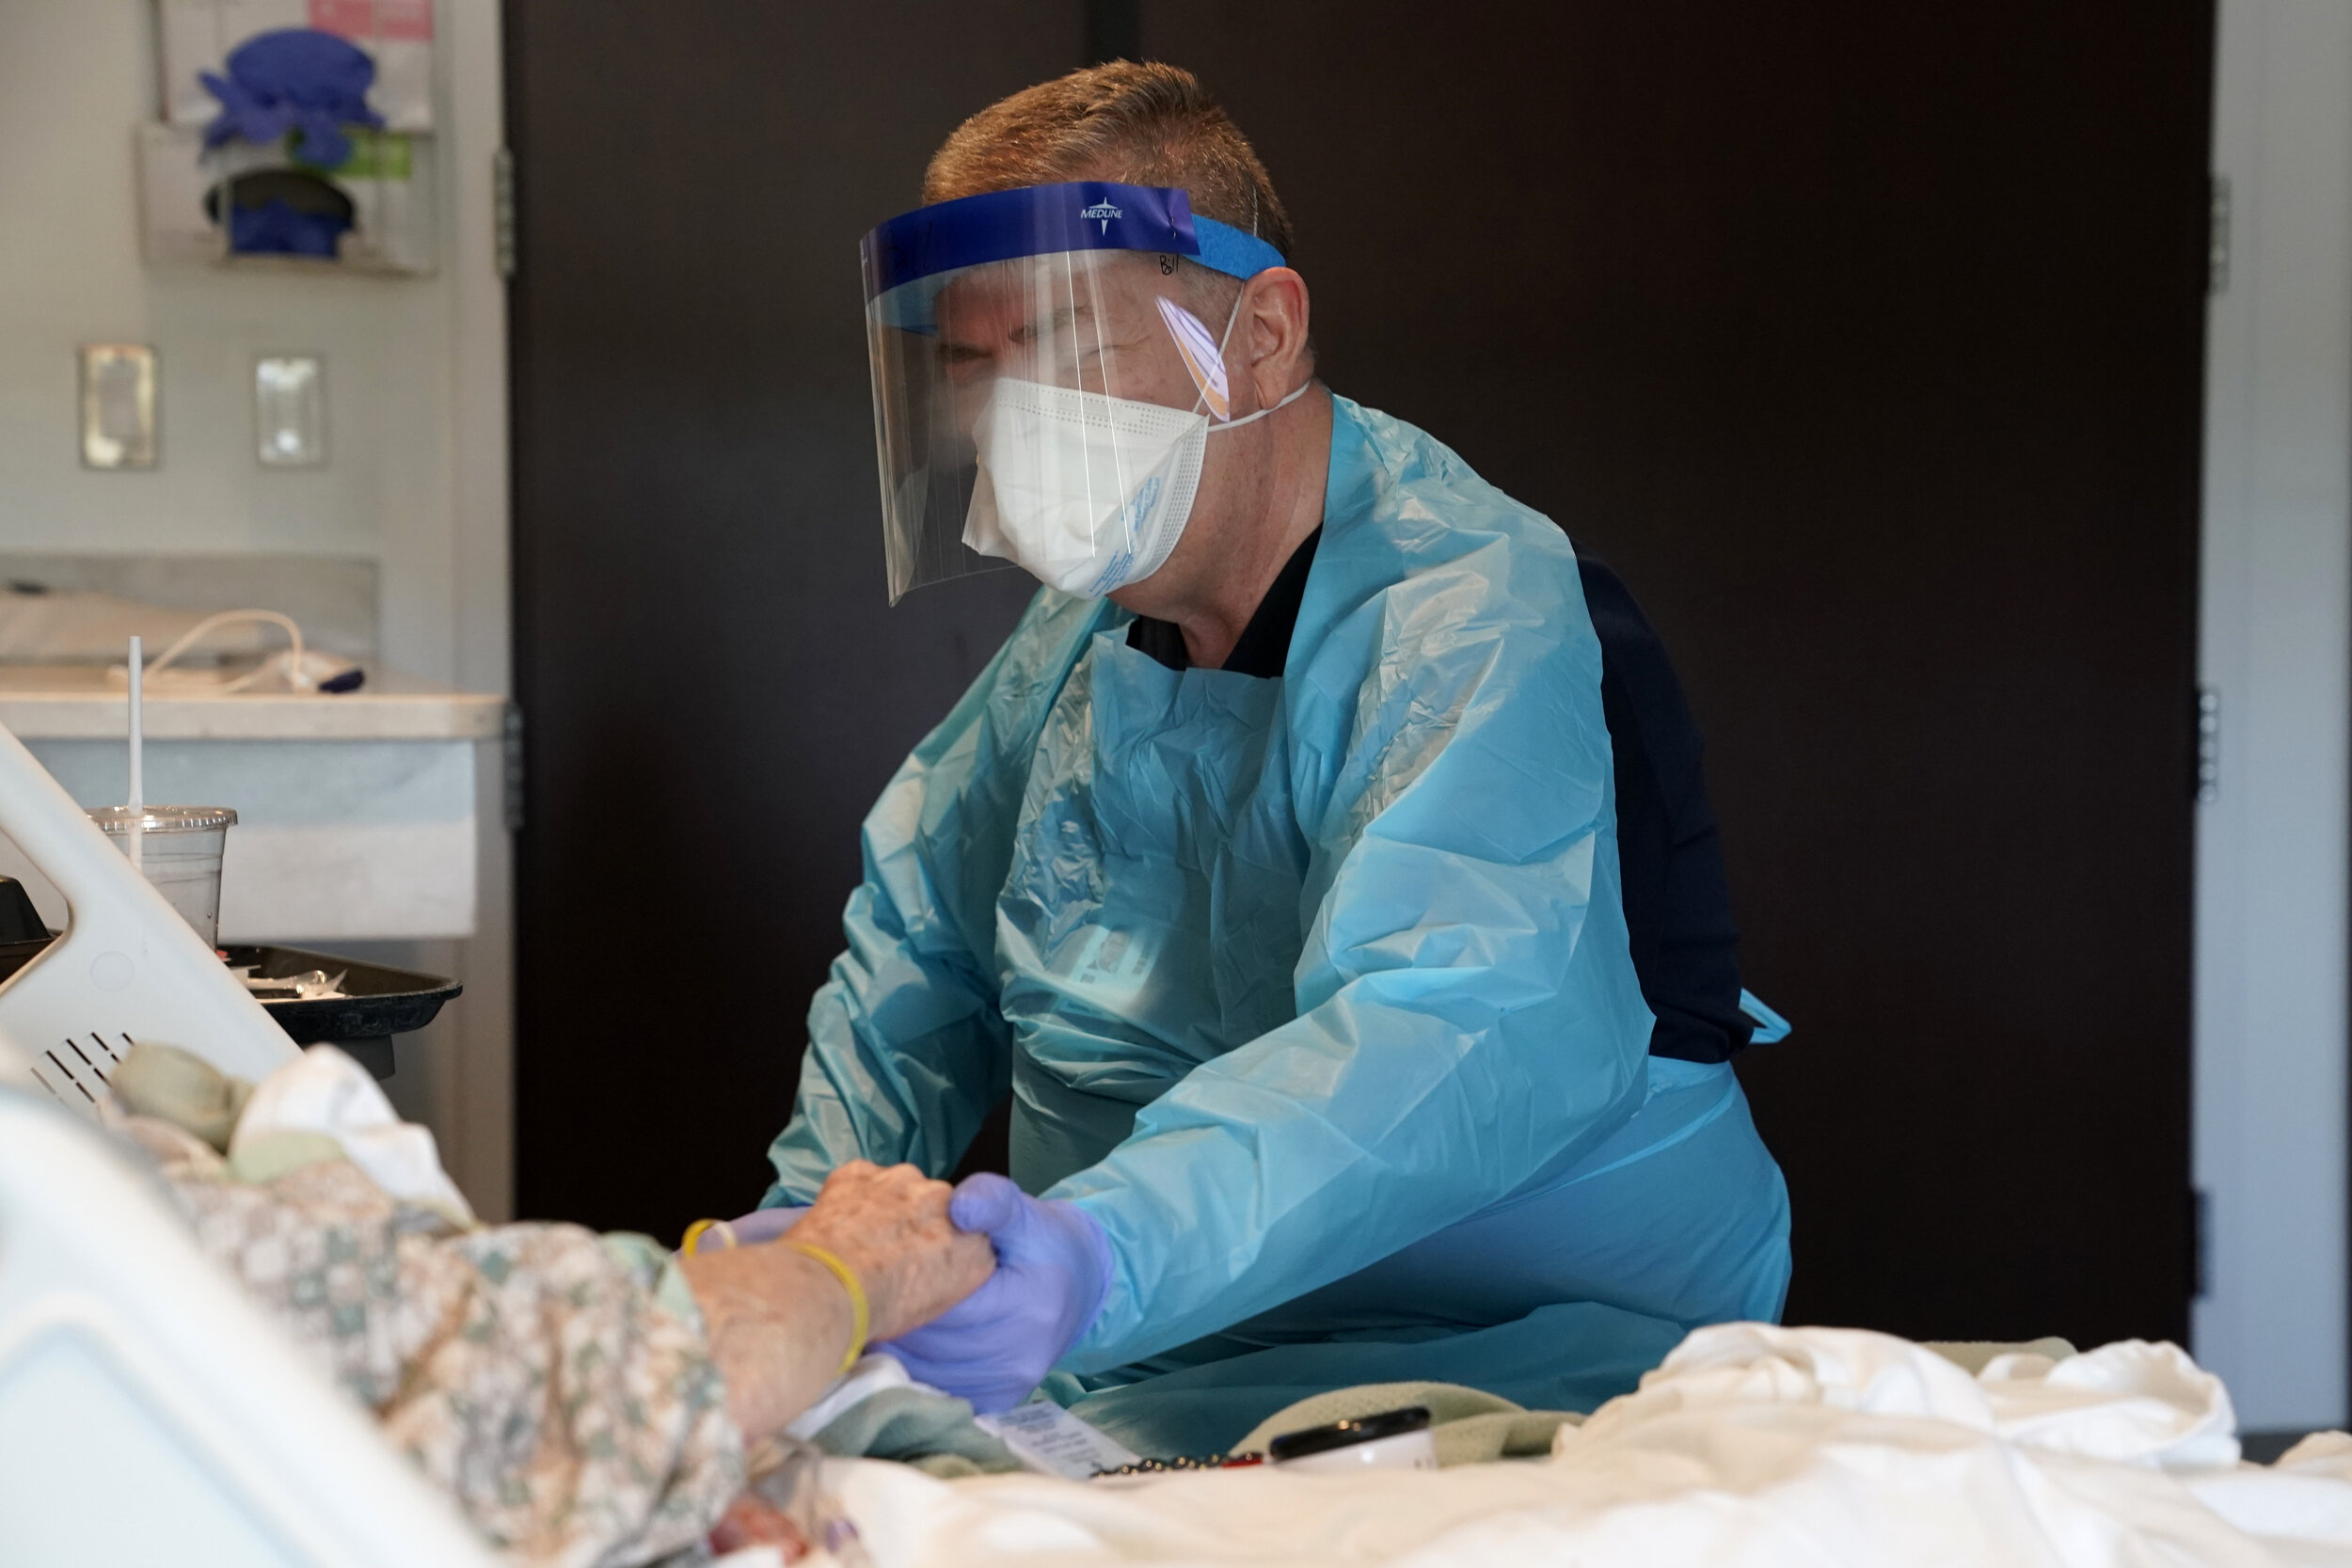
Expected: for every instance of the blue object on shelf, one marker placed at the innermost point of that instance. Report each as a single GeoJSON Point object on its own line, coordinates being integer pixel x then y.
{"type": "Point", "coordinates": [282, 211]}
{"type": "Point", "coordinates": [275, 228]}
{"type": "Point", "coordinates": [293, 79]}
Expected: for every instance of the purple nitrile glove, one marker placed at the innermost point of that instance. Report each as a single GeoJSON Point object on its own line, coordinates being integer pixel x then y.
{"type": "Point", "coordinates": [293, 79]}
{"type": "Point", "coordinates": [1053, 1270]}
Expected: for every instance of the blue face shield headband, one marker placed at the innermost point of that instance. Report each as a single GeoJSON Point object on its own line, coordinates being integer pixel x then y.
{"type": "Point", "coordinates": [910, 257]}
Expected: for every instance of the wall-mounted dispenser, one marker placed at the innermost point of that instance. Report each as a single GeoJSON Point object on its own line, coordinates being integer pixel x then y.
{"type": "Point", "coordinates": [294, 131]}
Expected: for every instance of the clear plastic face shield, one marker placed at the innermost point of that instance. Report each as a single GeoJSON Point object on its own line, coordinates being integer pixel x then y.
{"type": "Point", "coordinates": [1048, 365]}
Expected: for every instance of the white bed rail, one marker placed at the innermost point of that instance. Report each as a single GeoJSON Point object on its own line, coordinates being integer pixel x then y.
{"type": "Point", "coordinates": [128, 968]}
{"type": "Point", "coordinates": [148, 1414]}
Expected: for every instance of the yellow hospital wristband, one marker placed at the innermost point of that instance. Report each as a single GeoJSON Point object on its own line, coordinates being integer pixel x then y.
{"type": "Point", "coordinates": [861, 1316]}
{"type": "Point", "coordinates": [687, 1247]}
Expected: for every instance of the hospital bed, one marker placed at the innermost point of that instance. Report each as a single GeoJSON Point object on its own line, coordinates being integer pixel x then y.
{"type": "Point", "coordinates": [148, 1414]}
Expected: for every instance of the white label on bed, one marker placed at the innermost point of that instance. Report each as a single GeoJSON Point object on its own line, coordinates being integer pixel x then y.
{"type": "Point", "coordinates": [1047, 1438]}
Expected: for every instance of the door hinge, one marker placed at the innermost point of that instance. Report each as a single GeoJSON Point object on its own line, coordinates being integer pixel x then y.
{"type": "Point", "coordinates": [503, 211]}
{"type": "Point", "coordinates": [513, 768]}
{"type": "Point", "coordinates": [2208, 743]}
{"type": "Point", "coordinates": [2199, 1230]}
{"type": "Point", "coordinates": [2217, 236]}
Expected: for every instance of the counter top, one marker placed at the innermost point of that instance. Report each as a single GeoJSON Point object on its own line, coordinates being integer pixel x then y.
{"type": "Point", "coordinates": [55, 702]}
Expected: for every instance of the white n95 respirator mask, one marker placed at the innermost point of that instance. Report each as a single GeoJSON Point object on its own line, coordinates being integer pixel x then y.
{"type": "Point", "coordinates": [1085, 491]}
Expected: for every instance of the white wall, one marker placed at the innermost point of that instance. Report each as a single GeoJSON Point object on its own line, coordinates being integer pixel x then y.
{"type": "Point", "coordinates": [416, 412]}
{"type": "Point", "coordinates": [2271, 850]}
{"type": "Point", "coordinates": [75, 77]}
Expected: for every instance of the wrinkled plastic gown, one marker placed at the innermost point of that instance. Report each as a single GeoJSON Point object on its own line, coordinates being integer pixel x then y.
{"type": "Point", "coordinates": [1314, 991]}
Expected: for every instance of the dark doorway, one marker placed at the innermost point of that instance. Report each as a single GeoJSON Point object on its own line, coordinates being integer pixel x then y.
{"type": "Point", "coordinates": [713, 689]}
{"type": "Point", "coordinates": [1865, 341]}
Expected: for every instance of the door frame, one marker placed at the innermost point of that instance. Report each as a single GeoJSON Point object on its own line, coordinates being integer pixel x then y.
{"type": "Point", "coordinates": [2276, 649]}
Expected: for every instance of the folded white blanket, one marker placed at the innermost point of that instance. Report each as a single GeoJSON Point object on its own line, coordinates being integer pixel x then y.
{"type": "Point", "coordinates": [323, 1094]}
{"type": "Point", "coordinates": [1751, 1445]}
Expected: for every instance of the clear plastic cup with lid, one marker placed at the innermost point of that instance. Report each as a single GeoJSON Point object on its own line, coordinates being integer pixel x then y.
{"type": "Point", "coordinates": [178, 847]}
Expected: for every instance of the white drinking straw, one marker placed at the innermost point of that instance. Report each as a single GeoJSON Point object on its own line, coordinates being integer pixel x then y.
{"type": "Point", "coordinates": [137, 806]}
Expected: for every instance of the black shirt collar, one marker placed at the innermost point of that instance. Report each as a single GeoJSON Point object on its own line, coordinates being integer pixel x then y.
{"type": "Point", "coordinates": [1265, 646]}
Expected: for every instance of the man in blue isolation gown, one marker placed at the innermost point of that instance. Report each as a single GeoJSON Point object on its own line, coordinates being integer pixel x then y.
{"type": "Point", "coordinates": [1272, 866]}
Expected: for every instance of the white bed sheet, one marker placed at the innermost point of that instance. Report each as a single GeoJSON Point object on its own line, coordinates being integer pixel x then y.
{"type": "Point", "coordinates": [1751, 1445]}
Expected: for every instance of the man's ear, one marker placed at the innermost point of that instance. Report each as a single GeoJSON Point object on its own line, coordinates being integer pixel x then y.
{"type": "Point", "coordinates": [1275, 311]}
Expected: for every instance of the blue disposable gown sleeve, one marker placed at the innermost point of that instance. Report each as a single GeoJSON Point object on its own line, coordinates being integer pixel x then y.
{"type": "Point", "coordinates": [907, 1053]}
{"type": "Point", "coordinates": [1469, 1013]}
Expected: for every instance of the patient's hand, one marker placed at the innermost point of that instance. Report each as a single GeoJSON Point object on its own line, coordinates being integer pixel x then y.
{"type": "Point", "coordinates": [891, 1228]}
{"type": "Point", "coordinates": [778, 1322]}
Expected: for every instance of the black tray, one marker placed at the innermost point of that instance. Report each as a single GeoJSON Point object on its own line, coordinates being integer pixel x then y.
{"type": "Point", "coordinates": [378, 1002]}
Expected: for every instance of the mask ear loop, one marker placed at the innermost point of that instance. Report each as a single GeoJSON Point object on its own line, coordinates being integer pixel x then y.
{"type": "Point", "coordinates": [1292, 396]}
{"type": "Point", "coordinates": [1200, 405]}
{"type": "Point", "coordinates": [1232, 318]}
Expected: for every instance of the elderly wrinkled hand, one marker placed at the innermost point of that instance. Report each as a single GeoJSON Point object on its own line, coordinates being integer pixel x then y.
{"type": "Point", "coordinates": [781, 1325]}
{"type": "Point", "coordinates": [1052, 1269]}
{"type": "Point", "coordinates": [893, 1229]}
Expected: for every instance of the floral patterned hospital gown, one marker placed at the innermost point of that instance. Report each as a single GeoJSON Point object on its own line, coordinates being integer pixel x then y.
{"type": "Point", "coordinates": [555, 1382]}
